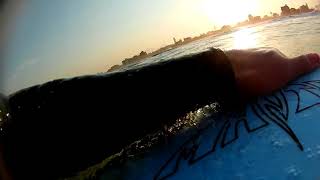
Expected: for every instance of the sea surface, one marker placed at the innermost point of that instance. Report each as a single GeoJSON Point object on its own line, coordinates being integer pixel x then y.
{"type": "Point", "coordinates": [293, 35]}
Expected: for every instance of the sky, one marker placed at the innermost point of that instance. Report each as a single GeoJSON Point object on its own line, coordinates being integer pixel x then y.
{"type": "Point", "coordinates": [43, 40]}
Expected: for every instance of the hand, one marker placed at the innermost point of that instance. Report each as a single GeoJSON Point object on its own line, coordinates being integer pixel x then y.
{"type": "Point", "coordinates": [264, 70]}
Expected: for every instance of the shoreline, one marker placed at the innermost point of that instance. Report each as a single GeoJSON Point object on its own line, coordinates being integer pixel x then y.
{"type": "Point", "coordinates": [224, 30]}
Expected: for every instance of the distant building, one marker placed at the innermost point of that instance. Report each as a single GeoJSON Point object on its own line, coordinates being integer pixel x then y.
{"type": "Point", "coordinates": [113, 68]}
{"type": "Point", "coordinates": [304, 8]}
{"type": "Point", "coordinates": [275, 15]}
{"type": "Point", "coordinates": [243, 23]}
{"type": "Point", "coordinates": [226, 28]}
{"type": "Point", "coordinates": [143, 53]}
{"type": "Point", "coordinates": [179, 42]}
{"type": "Point", "coordinates": [174, 40]}
{"type": "Point", "coordinates": [254, 19]}
{"type": "Point", "coordinates": [257, 18]}
{"type": "Point", "coordinates": [266, 17]}
{"type": "Point", "coordinates": [127, 61]}
{"type": "Point", "coordinates": [187, 39]}
{"type": "Point", "coordinates": [250, 17]}
{"type": "Point", "coordinates": [294, 11]}
{"type": "Point", "coordinates": [285, 10]}
{"type": "Point", "coordinates": [135, 58]}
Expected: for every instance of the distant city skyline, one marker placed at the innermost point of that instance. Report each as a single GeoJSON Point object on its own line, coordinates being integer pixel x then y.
{"type": "Point", "coordinates": [56, 39]}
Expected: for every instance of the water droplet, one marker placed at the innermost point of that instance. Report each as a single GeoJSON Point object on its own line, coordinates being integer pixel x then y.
{"type": "Point", "coordinates": [250, 164]}
{"type": "Point", "coordinates": [277, 143]}
{"type": "Point", "coordinates": [310, 155]}
{"type": "Point", "coordinates": [293, 171]}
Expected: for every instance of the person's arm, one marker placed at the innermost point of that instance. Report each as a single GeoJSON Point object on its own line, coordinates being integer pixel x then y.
{"type": "Point", "coordinates": [4, 172]}
{"type": "Point", "coordinates": [4, 115]}
{"type": "Point", "coordinates": [66, 125]}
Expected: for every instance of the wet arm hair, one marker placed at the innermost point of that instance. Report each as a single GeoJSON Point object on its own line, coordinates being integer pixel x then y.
{"type": "Point", "coordinates": [66, 125]}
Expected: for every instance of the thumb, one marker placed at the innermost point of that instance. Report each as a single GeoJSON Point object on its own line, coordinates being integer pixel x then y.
{"type": "Point", "coordinates": [303, 64]}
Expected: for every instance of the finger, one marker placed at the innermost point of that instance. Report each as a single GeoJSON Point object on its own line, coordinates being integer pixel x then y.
{"type": "Point", "coordinates": [303, 64]}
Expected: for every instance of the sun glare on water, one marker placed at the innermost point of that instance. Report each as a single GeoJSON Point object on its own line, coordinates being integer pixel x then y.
{"type": "Point", "coordinates": [244, 38]}
{"type": "Point", "coordinates": [223, 12]}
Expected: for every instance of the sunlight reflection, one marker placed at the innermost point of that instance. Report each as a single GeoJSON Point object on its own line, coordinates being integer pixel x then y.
{"type": "Point", "coordinates": [244, 38]}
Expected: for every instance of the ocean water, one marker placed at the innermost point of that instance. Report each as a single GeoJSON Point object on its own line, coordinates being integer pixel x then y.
{"type": "Point", "coordinates": [294, 35]}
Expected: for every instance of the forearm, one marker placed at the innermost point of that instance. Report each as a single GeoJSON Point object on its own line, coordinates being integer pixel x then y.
{"type": "Point", "coordinates": [4, 173]}
{"type": "Point", "coordinates": [85, 119]}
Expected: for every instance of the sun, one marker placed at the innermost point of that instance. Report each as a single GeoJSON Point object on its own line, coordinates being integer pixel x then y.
{"type": "Point", "coordinates": [222, 12]}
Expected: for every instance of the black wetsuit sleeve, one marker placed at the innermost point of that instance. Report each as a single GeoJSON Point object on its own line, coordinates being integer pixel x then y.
{"type": "Point", "coordinates": [67, 125]}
